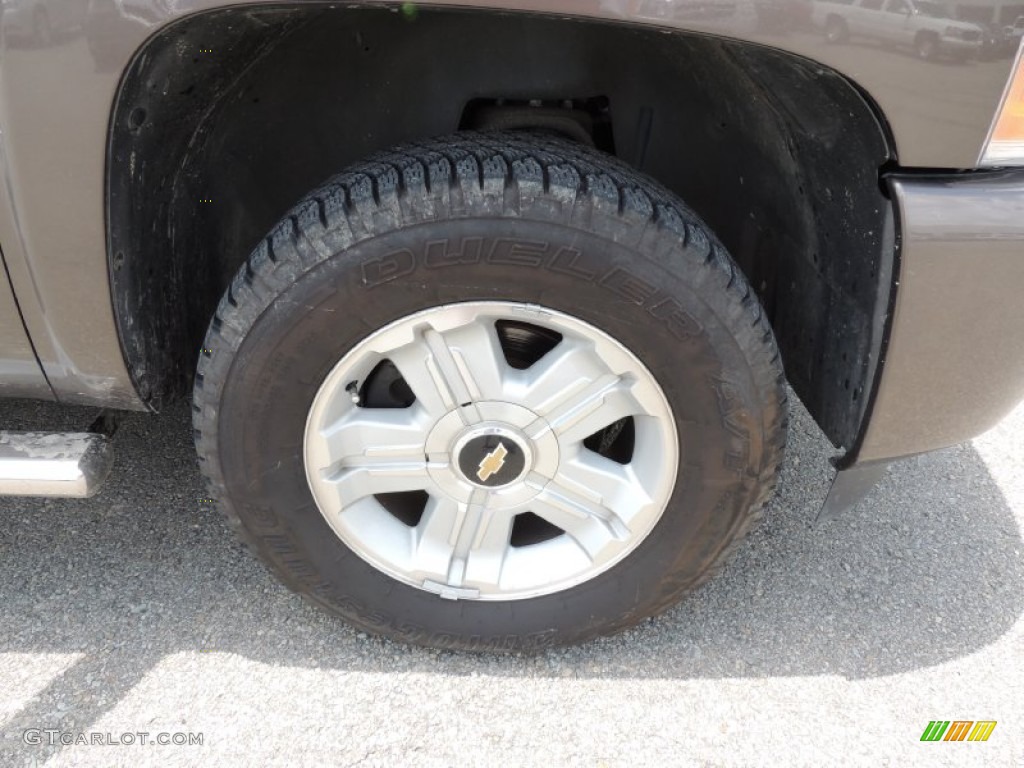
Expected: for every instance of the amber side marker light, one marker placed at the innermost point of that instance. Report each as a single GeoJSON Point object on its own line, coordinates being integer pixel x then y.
{"type": "Point", "coordinates": [1005, 145]}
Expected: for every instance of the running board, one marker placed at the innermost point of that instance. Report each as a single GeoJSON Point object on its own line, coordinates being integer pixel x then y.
{"type": "Point", "coordinates": [53, 464]}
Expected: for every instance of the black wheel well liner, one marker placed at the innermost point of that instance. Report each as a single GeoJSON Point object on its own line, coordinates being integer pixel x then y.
{"type": "Point", "coordinates": [226, 118]}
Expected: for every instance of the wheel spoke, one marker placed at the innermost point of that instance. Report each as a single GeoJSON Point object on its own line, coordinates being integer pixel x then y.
{"type": "Point", "coordinates": [476, 351]}
{"type": "Point", "coordinates": [590, 408]}
{"type": "Point", "coordinates": [452, 369]}
{"type": "Point", "coordinates": [566, 370]}
{"type": "Point", "coordinates": [463, 544]}
{"type": "Point", "coordinates": [434, 536]}
{"type": "Point", "coordinates": [593, 526]}
{"type": "Point", "coordinates": [368, 435]}
{"type": "Point", "coordinates": [577, 394]}
{"type": "Point", "coordinates": [488, 547]}
{"type": "Point", "coordinates": [372, 450]}
{"type": "Point", "coordinates": [350, 483]}
{"type": "Point", "coordinates": [589, 474]}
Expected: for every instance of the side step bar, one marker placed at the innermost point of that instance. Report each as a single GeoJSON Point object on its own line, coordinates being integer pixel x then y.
{"type": "Point", "coordinates": [53, 464]}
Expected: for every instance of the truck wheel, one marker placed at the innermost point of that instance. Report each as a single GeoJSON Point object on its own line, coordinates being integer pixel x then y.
{"type": "Point", "coordinates": [490, 392]}
{"type": "Point", "coordinates": [926, 46]}
{"type": "Point", "coordinates": [836, 30]}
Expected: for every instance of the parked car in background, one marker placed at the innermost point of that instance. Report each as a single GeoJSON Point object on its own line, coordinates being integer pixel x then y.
{"type": "Point", "coordinates": [930, 29]}
{"type": "Point", "coordinates": [1015, 31]}
{"type": "Point", "coordinates": [41, 21]}
{"type": "Point", "coordinates": [997, 42]}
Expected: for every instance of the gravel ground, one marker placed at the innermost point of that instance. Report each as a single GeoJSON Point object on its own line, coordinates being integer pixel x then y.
{"type": "Point", "coordinates": [136, 611]}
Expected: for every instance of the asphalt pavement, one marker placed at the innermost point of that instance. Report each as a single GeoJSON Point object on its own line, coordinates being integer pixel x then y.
{"type": "Point", "coordinates": [135, 616]}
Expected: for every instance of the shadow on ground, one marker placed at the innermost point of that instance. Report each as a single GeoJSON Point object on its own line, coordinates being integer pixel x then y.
{"type": "Point", "coordinates": [927, 570]}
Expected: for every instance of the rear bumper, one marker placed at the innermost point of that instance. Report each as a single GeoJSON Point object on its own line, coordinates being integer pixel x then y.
{"type": "Point", "coordinates": [954, 362]}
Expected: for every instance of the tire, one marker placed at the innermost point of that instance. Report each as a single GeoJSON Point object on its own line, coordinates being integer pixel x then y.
{"type": "Point", "coordinates": [453, 225]}
{"type": "Point", "coordinates": [836, 31]}
{"type": "Point", "coordinates": [926, 47]}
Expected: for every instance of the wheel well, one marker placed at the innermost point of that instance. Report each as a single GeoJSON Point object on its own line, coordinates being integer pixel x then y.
{"type": "Point", "coordinates": [225, 119]}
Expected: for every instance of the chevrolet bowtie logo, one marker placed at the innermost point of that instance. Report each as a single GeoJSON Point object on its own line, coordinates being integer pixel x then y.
{"type": "Point", "coordinates": [492, 463]}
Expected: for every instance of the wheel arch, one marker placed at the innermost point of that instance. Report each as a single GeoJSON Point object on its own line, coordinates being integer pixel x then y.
{"type": "Point", "coordinates": [225, 118]}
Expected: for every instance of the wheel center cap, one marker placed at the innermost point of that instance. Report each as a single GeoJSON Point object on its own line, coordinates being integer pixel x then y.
{"type": "Point", "coordinates": [492, 457]}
